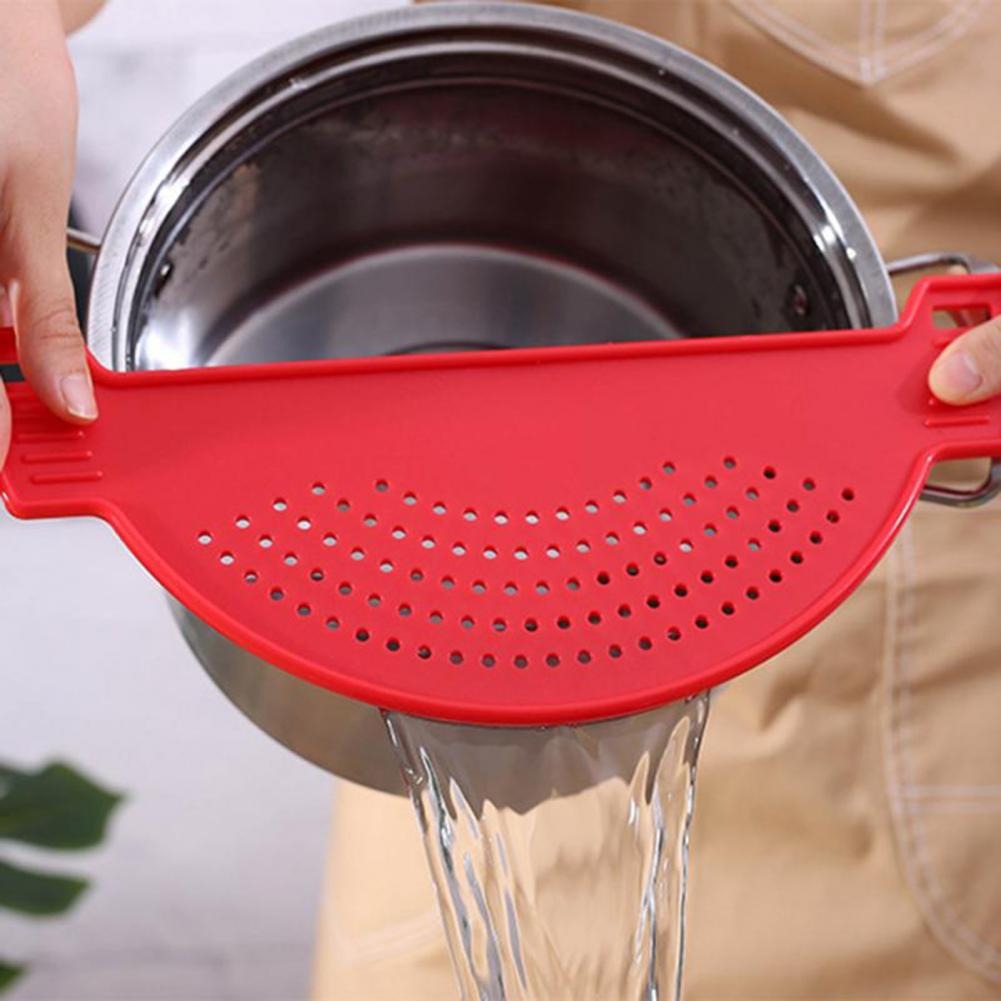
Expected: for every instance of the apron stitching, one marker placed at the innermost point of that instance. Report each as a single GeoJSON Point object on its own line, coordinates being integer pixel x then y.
{"type": "Point", "coordinates": [952, 807]}
{"type": "Point", "coordinates": [865, 41]}
{"type": "Point", "coordinates": [951, 791]}
{"type": "Point", "coordinates": [392, 940]}
{"type": "Point", "coordinates": [934, 47]}
{"type": "Point", "coordinates": [879, 40]}
{"type": "Point", "coordinates": [952, 924]}
{"type": "Point", "coordinates": [906, 52]}
{"type": "Point", "coordinates": [942, 919]}
{"type": "Point", "coordinates": [796, 35]}
{"type": "Point", "coordinates": [891, 59]}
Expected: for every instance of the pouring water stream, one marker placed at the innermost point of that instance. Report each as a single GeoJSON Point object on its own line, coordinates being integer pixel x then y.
{"type": "Point", "coordinates": [559, 856]}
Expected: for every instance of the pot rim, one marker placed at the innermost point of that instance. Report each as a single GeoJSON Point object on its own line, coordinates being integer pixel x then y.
{"type": "Point", "coordinates": [224, 110]}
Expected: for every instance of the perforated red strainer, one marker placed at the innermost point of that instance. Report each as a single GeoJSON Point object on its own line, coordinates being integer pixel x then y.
{"type": "Point", "coordinates": [527, 537]}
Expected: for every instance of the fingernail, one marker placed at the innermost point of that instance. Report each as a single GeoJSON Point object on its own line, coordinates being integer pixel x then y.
{"type": "Point", "coordinates": [957, 376]}
{"type": "Point", "coordinates": [78, 396]}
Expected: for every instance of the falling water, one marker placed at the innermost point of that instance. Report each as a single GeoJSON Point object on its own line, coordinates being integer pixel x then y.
{"type": "Point", "coordinates": [560, 855]}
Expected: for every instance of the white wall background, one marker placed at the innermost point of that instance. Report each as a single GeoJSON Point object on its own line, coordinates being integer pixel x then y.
{"type": "Point", "coordinates": [208, 887]}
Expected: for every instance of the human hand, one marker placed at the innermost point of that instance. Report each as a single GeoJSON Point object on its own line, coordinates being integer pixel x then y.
{"type": "Point", "coordinates": [38, 109]}
{"type": "Point", "coordinates": [969, 369]}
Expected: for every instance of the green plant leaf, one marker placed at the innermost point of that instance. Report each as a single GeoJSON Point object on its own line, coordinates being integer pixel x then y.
{"type": "Point", "coordinates": [55, 807]}
{"type": "Point", "coordinates": [37, 893]}
{"type": "Point", "coordinates": [8, 974]}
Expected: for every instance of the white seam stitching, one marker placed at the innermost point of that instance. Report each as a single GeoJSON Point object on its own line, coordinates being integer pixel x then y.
{"type": "Point", "coordinates": [953, 926]}
{"type": "Point", "coordinates": [947, 807]}
{"type": "Point", "coordinates": [941, 918]}
{"type": "Point", "coordinates": [893, 59]}
{"type": "Point", "coordinates": [879, 40]}
{"type": "Point", "coordinates": [796, 36]}
{"type": "Point", "coordinates": [864, 41]}
{"type": "Point", "coordinates": [937, 43]}
{"type": "Point", "coordinates": [932, 791]}
{"type": "Point", "coordinates": [959, 17]}
{"type": "Point", "coordinates": [391, 940]}
{"type": "Point", "coordinates": [797, 29]}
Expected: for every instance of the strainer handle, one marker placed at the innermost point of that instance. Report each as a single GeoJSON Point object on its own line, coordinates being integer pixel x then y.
{"type": "Point", "coordinates": [973, 265]}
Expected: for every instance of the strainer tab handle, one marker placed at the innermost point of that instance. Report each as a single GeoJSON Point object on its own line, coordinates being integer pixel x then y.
{"type": "Point", "coordinates": [974, 265]}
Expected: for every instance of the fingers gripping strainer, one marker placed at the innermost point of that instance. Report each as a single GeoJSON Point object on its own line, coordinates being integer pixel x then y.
{"type": "Point", "coordinates": [529, 537]}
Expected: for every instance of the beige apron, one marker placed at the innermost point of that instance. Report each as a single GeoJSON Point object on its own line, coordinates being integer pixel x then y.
{"type": "Point", "coordinates": [847, 841]}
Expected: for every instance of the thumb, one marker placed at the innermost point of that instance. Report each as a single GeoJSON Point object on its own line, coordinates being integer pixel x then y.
{"type": "Point", "coordinates": [969, 369]}
{"type": "Point", "coordinates": [49, 342]}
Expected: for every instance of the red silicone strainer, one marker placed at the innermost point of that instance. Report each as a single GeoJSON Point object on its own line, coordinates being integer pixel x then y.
{"type": "Point", "coordinates": [524, 537]}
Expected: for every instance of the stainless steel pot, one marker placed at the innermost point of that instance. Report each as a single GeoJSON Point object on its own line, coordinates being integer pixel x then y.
{"type": "Point", "coordinates": [456, 177]}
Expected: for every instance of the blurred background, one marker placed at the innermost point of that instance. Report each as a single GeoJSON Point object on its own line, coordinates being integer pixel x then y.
{"type": "Point", "coordinates": [208, 884]}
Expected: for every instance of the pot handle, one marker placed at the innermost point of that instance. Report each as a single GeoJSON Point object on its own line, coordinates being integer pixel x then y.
{"type": "Point", "coordinates": [970, 263]}
{"type": "Point", "coordinates": [77, 239]}
{"type": "Point", "coordinates": [973, 265]}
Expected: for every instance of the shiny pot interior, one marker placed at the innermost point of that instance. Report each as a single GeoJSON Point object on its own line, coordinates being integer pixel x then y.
{"type": "Point", "coordinates": [458, 178]}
